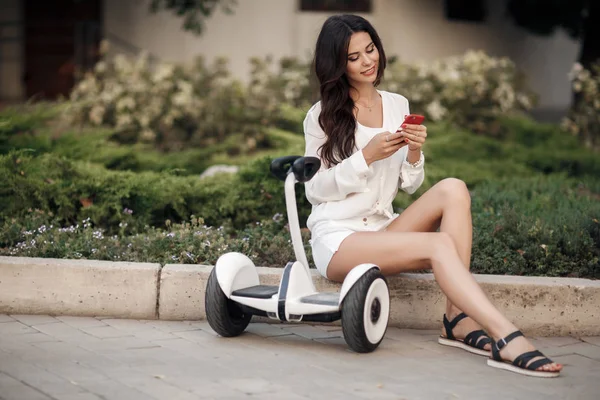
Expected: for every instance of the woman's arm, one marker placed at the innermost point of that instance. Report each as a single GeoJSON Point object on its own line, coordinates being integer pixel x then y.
{"type": "Point", "coordinates": [337, 182]}
{"type": "Point", "coordinates": [412, 175]}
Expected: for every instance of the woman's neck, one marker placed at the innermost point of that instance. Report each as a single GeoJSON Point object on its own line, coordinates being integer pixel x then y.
{"type": "Point", "coordinates": [364, 93]}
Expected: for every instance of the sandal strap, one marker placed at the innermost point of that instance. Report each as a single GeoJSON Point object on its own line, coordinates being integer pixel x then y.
{"type": "Point", "coordinates": [449, 325]}
{"type": "Point", "coordinates": [536, 364]}
{"type": "Point", "coordinates": [500, 344]}
{"type": "Point", "coordinates": [522, 360]}
{"type": "Point", "coordinates": [473, 339]}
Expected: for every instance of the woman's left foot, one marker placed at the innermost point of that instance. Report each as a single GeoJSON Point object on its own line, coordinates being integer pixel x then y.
{"type": "Point", "coordinates": [515, 353]}
{"type": "Point", "coordinates": [463, 332]}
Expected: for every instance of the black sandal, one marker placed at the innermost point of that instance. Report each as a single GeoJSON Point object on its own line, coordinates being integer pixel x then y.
{"type": "Point", "coordinates": [519, 365]}
{"type": "Point", "coordinates": [474, 342]}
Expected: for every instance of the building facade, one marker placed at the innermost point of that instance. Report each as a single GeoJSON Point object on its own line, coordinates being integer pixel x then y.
{"type": "Point", "coordinates": [412, 30]}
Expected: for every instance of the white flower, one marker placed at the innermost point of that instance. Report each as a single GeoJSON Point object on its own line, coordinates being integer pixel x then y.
{"type": "Point", "coordinates": [435, 110]}
{"type": "Point", "coordinates": [97, 114]}
{"type": "Point", "coordinates": [124, 121]}
{"type": "Point", "coordinates": [163, 71]}
{"type": "Point", "coordinates": [100, 67]}
{"type": "Point", "coordinates": [125, 103]}
{"type": "Point", "coordinates": [147, 135]}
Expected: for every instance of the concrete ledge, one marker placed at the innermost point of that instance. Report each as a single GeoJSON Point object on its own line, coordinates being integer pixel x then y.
{"type": "Point", "coordinates": [539, 306]}
{"type": "Point", "coordinates": [78, 287]}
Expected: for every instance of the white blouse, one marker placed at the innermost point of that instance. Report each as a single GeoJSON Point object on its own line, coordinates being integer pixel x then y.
{"type": "Point", "coordinates": [353, 195]}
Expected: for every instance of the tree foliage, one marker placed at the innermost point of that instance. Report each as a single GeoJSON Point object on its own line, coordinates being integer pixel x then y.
{"type": "Point", "coordinates": [579, 18]}
{"type": "Point", "coordinates": [193, 12]}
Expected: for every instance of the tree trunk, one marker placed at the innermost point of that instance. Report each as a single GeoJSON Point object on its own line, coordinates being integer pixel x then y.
{"type": "Point", "coordinates": [590, 48]}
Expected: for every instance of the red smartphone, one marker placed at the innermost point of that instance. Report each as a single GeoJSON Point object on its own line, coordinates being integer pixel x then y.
{"type": "Point", "coordinates": [414, 119]}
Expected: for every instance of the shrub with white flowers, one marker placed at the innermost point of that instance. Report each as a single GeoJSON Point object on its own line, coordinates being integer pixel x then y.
{"type": "Point", "coordinates": [584, 117]}
{"type": "Point", "coordinates": [199, 104]}
{"type": "Point", "coordinates": [471, 90]}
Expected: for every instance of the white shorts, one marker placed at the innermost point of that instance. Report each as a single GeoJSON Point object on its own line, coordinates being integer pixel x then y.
{"type": "Point", "coordinates": [324, 246]}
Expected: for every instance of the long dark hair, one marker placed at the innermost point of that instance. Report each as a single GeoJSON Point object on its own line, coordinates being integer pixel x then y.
{"type": "Point", "coordinates": [331, 56]}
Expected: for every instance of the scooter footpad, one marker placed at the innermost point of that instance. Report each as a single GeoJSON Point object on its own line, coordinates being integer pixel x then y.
{"type": "Point", "coordinates": [326, 299]}
{"type": "Point", "coordinates": [257, 292]}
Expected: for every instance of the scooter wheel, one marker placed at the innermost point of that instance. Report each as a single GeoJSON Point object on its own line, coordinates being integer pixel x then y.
{"type": "Point", "coordinates": [365, 312]}
{"type": "Point", "coordinates": [224, 316]}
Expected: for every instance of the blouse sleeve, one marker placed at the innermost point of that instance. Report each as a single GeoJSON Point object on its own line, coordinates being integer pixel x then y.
{"type": "Point", "coordinates": [411, 177]}
{"type": "Point", "coordinates": [335, 183]}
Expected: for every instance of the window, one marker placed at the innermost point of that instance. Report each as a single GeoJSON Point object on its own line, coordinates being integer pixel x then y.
{"type": "Point", "coordinates": [336, 5]}
{"type": "Point", "coordinates": [465, 10]}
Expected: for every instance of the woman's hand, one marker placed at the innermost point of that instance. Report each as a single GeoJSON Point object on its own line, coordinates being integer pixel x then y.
{"type": "Point", "coordinates": [383, 145]}
{"type": "Point", "coordinates": [415, 135]}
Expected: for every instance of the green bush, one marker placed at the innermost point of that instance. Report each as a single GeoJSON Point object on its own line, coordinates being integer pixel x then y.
{"type": "Point", "coordinates": [267, 243]}
{"type": "Point", "coordinates": [19, 123]}
{"type": "Point", "coordinates": [539, 226]}
{"type": "Point", "coordinates": [74, 191]}
{"type": "Point", "coordinates": [533, 226]}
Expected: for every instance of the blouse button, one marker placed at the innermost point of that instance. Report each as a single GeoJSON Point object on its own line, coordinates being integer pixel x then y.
{"type": "Point", "coordinates": [365, 221]}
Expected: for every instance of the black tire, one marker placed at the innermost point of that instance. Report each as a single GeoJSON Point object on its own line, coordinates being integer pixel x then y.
{"type": "Point", "coordinates": [223, 315]}
{"type": "Point", "coordinates": [353, 312]}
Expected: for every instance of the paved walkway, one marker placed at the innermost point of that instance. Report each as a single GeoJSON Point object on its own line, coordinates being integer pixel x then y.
{"type": "Point", "coordinates": [70, 358]}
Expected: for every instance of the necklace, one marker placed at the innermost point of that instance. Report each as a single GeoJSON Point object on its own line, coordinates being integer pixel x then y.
{"type": "Point", "coordinates": [366, 106]}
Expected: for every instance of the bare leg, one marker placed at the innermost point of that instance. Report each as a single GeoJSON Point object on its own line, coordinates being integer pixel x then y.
{"type": "Point", "coordinates": [396, 252]}
{"type": "Point", "coordinates": [447, 206]}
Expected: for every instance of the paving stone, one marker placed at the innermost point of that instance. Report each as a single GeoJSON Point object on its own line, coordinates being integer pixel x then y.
{"type": "Point", "coordinates": [80, 396]}
{"type": "Point", "coordinates": [34, 319]}
{"type": "Point", "coordinates": [310, 332]}
{"type": "Point", "coordinates": [38, 337]}
{"type": "Point", "coordinates": [595, 340]}
{"type": "Point", "coordinates": [14, 328]}
{"type": "Point", "coordinates": [6, 318]}
{"type": "Point", "coordinates": [330, 327]}
{"type": "Point", "coordinates": [105, 331]}
{"type": "Point", "coordinates": [81, 322]}
{"type": "Point", "coordinates": [197, 335]}
{"type": "Point", "coordinates": [63, 331]}
{"type": "Point", "coordinates": [581, 348]}
{"type": "Point", "coordinates": [115, 390]}
{"type": "Point", "coordinates": [411, 335]}
{"type": "Point", "coordinates": [252, 386]}
{"type": "Point", "coordinates": [155, 386]}
{"type": "Point", "coordinates": [13, 389]}
{"type": "Point", "coordinates": [117, 345]}
{"type": "Point", "coordinates": [153, 334]}
{"type": "Point", "coordinates": [38, 378]}
{"type": "Point", "coordinates": [267, 330]}
{"type": "Point", "coordinates": [556, 341]}
{"type": "Point", "coordinates": [172, 326]}
{"type": "Point", "coordinates": [127, 325]}
{"type": "Point", "coordinates": [61, 361]}
{"type": "Point", "coordinates": [205, 388]}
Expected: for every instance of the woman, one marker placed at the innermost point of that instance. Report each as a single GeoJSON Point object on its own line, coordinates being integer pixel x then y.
{"type": "Point", "coordinates": [367, 154]}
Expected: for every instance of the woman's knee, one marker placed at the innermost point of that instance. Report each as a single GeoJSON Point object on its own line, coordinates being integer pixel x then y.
{"type": "Point", "coordinates": [454, 191]}
{"type": "Point", "coordinates": [443, 246]}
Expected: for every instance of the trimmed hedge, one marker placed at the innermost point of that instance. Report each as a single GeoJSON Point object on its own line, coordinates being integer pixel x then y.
{"type": "Point", "coordinates": [534, 226]}
{"type": "Point", "coordinates": [73, 191]}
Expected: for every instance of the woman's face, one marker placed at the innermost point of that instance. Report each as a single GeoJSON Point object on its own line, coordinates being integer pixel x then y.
{"type": "Point", "coordinates": [363, 59]}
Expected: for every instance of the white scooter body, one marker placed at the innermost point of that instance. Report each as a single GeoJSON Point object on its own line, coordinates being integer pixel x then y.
{"type": "Point", "coordinates": [234, 292]}
{"type": "Point", "coordinates": [296, 290]}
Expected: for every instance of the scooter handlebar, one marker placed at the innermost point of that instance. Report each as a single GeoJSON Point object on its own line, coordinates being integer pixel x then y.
{"type": "Point", "coordinates": [304, 168]}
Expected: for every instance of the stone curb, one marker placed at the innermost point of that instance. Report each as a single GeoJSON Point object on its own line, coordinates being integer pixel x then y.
{"type": "Point", "coordinates": [78, 287]}
{"type": "Point", "coordinates": [539, 306]}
